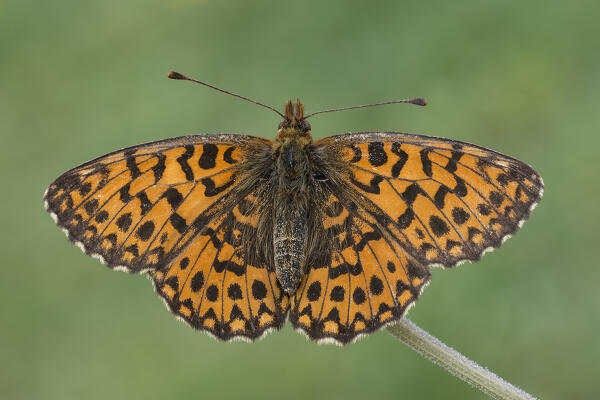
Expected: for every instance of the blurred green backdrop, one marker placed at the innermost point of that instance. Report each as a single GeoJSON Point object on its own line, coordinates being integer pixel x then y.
{"type": "Point", "coordinates": [82, 78]}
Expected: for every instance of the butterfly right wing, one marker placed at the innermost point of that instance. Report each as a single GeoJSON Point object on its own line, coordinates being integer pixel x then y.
{"type": "Point", "coordinates": [366, 281]}
{"type": "Point", "coordinates": [443, 200]}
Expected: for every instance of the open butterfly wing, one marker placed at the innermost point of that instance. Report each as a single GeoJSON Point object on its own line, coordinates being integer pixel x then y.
{"type": "Point", "coordinates": [132, 207]}
{"type": "Point", "coordinates": [172, 209]}
{"type": "Point", "coordinates": [367, 281]}
{"type": "Point", "coordinates": [214, 286]}
{"type": "Point", "coordinates": [445, 201]}
{"type": "Point", "coordinates": [401, 203]}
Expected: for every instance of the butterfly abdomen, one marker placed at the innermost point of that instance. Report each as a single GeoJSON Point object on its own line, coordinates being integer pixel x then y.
{"type": "Point", "coordinates": [289, 244]}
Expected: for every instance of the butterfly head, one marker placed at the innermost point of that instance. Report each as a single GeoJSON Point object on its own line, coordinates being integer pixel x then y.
{"type": "Point", "coordinates": [294, 123]}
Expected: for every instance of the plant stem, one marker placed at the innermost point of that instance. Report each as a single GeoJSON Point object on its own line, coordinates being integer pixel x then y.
{"type": "Point", "coordinates": [454, 362]}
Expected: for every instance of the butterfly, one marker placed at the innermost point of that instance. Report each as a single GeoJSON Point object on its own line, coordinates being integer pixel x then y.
{"type": "Point", "coordinates": [239, 233]}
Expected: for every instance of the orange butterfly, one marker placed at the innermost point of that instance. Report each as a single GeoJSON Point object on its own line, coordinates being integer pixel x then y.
{"type": "Point", "coordinates": [238, 231]}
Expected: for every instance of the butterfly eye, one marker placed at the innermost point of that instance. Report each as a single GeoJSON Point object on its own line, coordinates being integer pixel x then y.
{"type": "Point", "coordinates": [305, 126]}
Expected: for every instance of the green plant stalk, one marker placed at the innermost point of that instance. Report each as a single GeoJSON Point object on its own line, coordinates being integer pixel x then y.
{"type": "Point", "coordinates": [454, 362]}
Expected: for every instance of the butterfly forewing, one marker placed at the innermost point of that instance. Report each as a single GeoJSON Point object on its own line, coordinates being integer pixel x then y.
{"type": "Point", "coordinates": [444, 201]}
{"type": "Point", "coordinates": [134, 206]}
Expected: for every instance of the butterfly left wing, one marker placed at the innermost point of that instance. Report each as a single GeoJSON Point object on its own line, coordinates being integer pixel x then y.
{"type": "Point", "coordinates": [444, 201]}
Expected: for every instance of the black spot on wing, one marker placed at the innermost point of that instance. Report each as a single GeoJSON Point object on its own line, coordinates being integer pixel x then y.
{"type": "Point", "coordinates": [259, 290]}
{"type": "Point", "coordinates": [234, 292]}
{"type": "Point", "coordinates": [376, 285]}
{"type": "Point", "coordinates": [159, 168]}
{"type": "Point", "coordinates": [402, 158]}
{"type": "Point", "coordinates": [183, 162]}
{"type": "Point", "coordinates": [372, 187]}
{"type": "Point", "coordinates": [132, 165]}
{"type": "Point", "coordinates": [314, 291]}
{"type": "Point", "coordinates": [365, 239]}
{"type": "Point", "coordinates": [211, 189]}
{"type": "Point", "coordinates": [359, 296]}
{"type": "Point", "coordinates": [440, 195]}
{"type": "Point", "coordinates": [438, 226]}
{"type": "Point", "coordinates": [183, 264]}
{"type": "Point", "coordinates": [145, 204]}
{"type": "Point", "coordinates": [377, 154]}
{"type": "Point", "coordinates": [496, 199]}
{"type": "Point", "coordinates": [174, 198]}
{"type": "Point", "coordinates": [459, 215]}
{"type": "Point", "coordinates": [133, 249]}
{"type": "Point", "coordinates": [426, 162]}
{"type": "Point", "coordinates": [208, 159]}
{"type": "Point", "coordinates": [212, 293]}
{"type": "Point", "coordinates": [124, 222]}
{"type": "Point", "coordinates": [85, 188]}
{"type": "Point", "coordinates": [410, 193]}
{"type": "Point", "coordinates": [484, 209]}
{"type": "Point", "coordinates": [101, 217]}
{"type": "Point", "coordinates": [406, 218]}
{"type": "Point", "coordinates": [178, 222]}
{"type": "Point", "coordinates": [460, 189]}
{"type": "Point", "coordinates": [124, 195]}
{"type": "Point", "coordinates": [91, 206]}
{"type": "Point", "coordinates": [451, 164]}
{"type": "Point", "coordinates": [227, 156]}
{"type": "Point", "coordinates": [337, 294]}
{"type": "Point", "coordinates": [220, 266]}
{"type": "Point", "coordinates": [173, 282]}
{"type": "Point", "coordinates": [145, 231]}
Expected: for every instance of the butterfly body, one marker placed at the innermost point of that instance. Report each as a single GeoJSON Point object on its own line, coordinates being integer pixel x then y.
{"type": "Point", "coordinates": [238, 233]}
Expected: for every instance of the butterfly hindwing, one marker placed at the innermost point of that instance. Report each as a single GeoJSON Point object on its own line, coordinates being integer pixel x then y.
{"type": "Point", "coordinates": [444, 201]}
{"type": "Point", "coordinates": [365, 282]}
{"type": "Point", "coordinates": [134, 207]}
{"type": "Point", "coordinates": [213, 285]}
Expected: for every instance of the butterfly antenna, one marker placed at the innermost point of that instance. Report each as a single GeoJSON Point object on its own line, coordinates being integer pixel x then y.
{"type": "Point", "coordinates": [177, 75]}
{"type": "Point", "coordinates": [418, 101]}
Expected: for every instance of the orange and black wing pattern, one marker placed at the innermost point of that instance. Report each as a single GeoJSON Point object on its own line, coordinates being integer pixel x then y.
{"type": "Point", "coordinates": [366, 282]}
{"type": "Point", "coordinates": [401, 203]}
{"type": "Point", "coordinates": [161, 206]}
{"type": "Point", "coordinates": [444, 201]}
{"type": "Point", "coordinates": [130, 207]}
{"type": "Point", "coordinates": [214, 286]}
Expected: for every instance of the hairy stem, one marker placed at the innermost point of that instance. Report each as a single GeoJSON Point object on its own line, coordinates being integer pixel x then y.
{"type": "Point", "coordinates": [454, 362]}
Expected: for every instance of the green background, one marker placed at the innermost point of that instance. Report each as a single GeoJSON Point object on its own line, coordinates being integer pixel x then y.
{"type": "Point", "coordinates": [82, 78]}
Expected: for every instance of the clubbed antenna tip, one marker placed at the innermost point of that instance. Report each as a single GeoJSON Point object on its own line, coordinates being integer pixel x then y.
{"type": "Point", "coordinates": [176, 75]}
{"type": "Point", "coordinates": [420, 101]}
